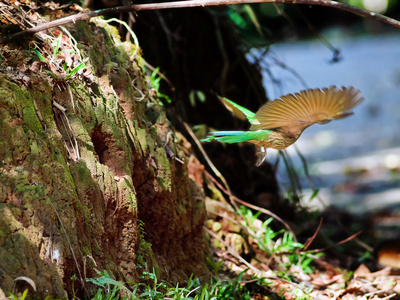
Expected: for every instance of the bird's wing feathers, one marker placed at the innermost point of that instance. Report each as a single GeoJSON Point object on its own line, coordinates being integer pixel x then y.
{"type": "Point", "coordinates": [239, 111]}
{"type": "Point", "coordinates": [295, 112]}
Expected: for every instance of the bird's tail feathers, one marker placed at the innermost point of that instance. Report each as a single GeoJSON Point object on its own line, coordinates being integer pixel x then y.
{"type": "Point", "coordinates": [225, 133]}
{"type": "Point", "coordinates": [227, 137]}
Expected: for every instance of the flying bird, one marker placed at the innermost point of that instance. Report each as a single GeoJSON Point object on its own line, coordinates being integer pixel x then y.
{"type": "Point", "coordinates": [279, 123]}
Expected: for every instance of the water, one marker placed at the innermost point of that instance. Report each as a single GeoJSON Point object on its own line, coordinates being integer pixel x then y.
{"type": "Point", "coordinates": [355, 161]}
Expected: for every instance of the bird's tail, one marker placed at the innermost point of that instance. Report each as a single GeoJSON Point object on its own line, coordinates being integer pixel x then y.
{"type": "Point", "coordinates": [227, 137]}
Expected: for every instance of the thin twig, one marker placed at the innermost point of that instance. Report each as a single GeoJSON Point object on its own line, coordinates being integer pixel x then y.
{"type": "Point", "coordinates": [70, 246]}
{"type": "Point", "coordinates": [71, 97]}
{"type": "Point", "coordinates": [311, 239]}
{"type": "Point", "coordinates": [212, 166]}
{"type": "Point", "coordinates": [332, 246]}
{"type": "Point", "coordinates": [69, 129]}
{"type": "Point", "coordinates": [195, 3]}
{"type": "Point", "coordinates": [192, 292]}
{"type": "Point", "coordinates": [142, 95]}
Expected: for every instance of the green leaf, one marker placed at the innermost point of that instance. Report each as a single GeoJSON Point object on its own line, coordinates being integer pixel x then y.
{"type": "Point", "coordinates": [250, 12]}
{"type": "Point", "coordinates": [314, 194]}
{"type": "Point", "coordinates": [24, 295]}
{"type": "Point", "coordinates": [58, 44]}
{"type": "Point", "coordinates": [39, 55]}
{"type": "Point", "coordinates": [235, 16]}
{"type": "Point", "coordinates": [192, 99]}
{"type": "Point", "coordinates": [77, 68]}
{"type": "Point", "coordinates": [164, 96]}
{"type": "Point", "coordinates": [103, 281]}
{"type": "Point", "coordinates": [154, 79]}
{"type": "Point", "coordinates": [52, 74]}
{"type": "Point", "coordinates": [201, 96]}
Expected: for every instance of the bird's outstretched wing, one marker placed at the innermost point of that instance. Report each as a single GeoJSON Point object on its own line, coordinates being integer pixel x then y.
{"type": "Point", "coordinates": [295, 112]}
{"type": "Point", "coordinates": [239, 111]}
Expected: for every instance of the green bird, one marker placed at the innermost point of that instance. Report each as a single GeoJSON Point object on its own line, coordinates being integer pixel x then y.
{"type": "Point", "coordinates": [279, 123]}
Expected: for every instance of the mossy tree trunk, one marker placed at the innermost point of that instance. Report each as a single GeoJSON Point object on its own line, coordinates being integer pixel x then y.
{"type": "Point", "coordinates": [74, 183]}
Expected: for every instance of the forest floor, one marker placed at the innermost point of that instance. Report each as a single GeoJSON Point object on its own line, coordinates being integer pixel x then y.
{"type": "Point", "coordinates": [246, 243]}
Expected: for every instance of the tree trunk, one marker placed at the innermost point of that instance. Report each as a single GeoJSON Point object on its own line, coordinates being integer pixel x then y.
{"type": "Point", "coordinates": [81, 161]}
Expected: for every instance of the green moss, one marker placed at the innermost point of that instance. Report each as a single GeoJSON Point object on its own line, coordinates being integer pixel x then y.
{"type": "Point", "coordinates": [10, 261]}
{"type": "Point", "coordinates": [23, 106]}
{"type": "Point", "coordinates": [111, 30]}
{"type": "Point", "coordinates": [6, 94]}
{"type": "Point", "coordinates": [141, 136]}
{"type": "Point", "coordinates": [83, 185]}
{"type": "Point", "coordinates": [164, 173]}
{"type": "Point", "coordinates": [43, 102]}
{"type": "Point", "coordinates": [27, 191]}
{"type": "Point", "coordinates": [82, 176]}
{"type": "Point", "coordinates": [127, 185]}
{"type": "Point", "coordinates": [97, 250]}
{"type": "Point", "coordinates": [34, 148]}
{"type": "Point", "coordinates": [86, 250]}
{"type": "Point", "coordinates": [7, 91]}
{"type": "Point", "coordinates": [78, 206]}
{"type": "Point", "coordinates": [31, 120]}
{"type": "Point", "coordinates": [85, 211]}
{"type": "Point", "coordinates": [23, 183]}
{"type": "Point", "coordinates": [5, 154]}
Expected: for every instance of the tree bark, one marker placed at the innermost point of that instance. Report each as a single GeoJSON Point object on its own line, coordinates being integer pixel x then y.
{"type": "Point", "coordinates": [74, 183]}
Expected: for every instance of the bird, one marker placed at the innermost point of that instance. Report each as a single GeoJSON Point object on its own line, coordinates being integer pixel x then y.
{"type": "Point", "coordinates": [279, 123]}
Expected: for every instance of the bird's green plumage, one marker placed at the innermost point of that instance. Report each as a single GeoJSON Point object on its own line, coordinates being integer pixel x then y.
{"type": "Point", "coordinates": [247, 113]}
{"type": "Point", "coordinates": [238, 136]}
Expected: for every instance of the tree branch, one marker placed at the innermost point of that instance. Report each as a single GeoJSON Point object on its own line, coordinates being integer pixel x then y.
{"type": "Point", "coordinates": [194, 3]}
